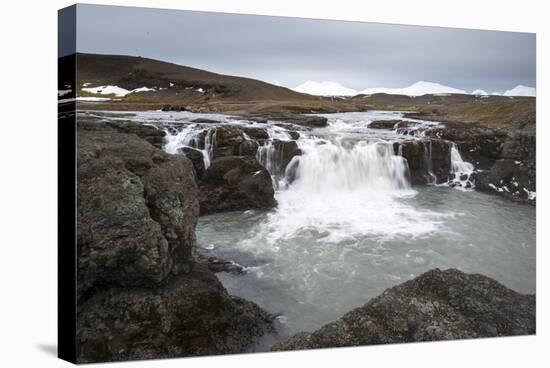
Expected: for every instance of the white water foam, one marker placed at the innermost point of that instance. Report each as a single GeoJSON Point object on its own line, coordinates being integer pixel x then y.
{"type": "Point", "coordinates": [461, 171]}
{"type": "Point", "coordinates": [345, 191]}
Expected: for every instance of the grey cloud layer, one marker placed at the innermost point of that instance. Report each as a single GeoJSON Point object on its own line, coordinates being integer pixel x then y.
{"type": "Point", "coordinates": [292, 50]}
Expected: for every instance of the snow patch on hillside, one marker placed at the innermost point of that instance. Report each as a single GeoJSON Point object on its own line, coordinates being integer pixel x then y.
{"type": "Point", "coordinates": [115, 90]}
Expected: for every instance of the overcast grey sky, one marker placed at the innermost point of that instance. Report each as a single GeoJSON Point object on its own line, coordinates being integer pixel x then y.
{"type": "Point", "coordinates": [291, 51]}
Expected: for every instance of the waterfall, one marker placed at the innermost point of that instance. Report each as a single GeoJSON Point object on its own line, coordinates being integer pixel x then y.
{"type": "Point", "coordinates": [344, 190]}
{"type": "Point", "coordinates": [461, 171]}
{"type": "Point", "coordinates": [332, 166]}
{"type": "Point", "coordinates": [190, 136]}
{"type": "Point", "coordinates": [430, 176]}
{"type": "Point", "coordinates": [267, 157]}
{"type": "Point", "coordinates": [271, 157]}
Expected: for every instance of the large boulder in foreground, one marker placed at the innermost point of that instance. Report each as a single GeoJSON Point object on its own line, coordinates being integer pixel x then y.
{"type": "Point", "coordinates": [141, 293]}
{"type": "Point", "coordinates": [437, 305]}
{"type": "Point", "coordinates": [190, 315]}
{"type": "Point", "coordinates": [235, 183]}
{"type": "Point", "coordinates": [137, 211]}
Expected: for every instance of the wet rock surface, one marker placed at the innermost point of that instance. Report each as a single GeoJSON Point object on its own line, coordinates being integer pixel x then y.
{"type": "Point", "coordinates": [196, 158]}
{"type": "Point", "coordinates": [231, 141]}
{"type": "Point", "coordinates": [235, 183]}
{"type": "Point", "coordinates": [390, 124]}
{"type": "Point", "coordinates": [277, 155]}
{"type": "Point", "coordinates": [437, 305]}
{"type": "Point", "coordinates": [429, 160]}
{"type": "Point", "coordinates": [141, 292]}
{"type": "Point", "coordinates": [505, 159]}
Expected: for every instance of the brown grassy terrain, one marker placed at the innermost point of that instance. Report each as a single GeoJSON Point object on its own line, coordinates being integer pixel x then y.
{"type": "Point", "coordinates": [177, 86]}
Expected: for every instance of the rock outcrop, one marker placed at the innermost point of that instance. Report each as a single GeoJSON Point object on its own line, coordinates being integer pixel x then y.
{"type": "Point", "coordinates": [390, 124]}
{"type": "Point", "coordinates": [277, 154]}
{"type": "Point", "coordinates": [151, 134]}
{"type": "Point", "coordinates": [260, 135]}
{"type": "Point", "coordinates": [437, 305]}
{"type": "Point", "coordinates": [141, 294]}
{"type": "Point", "coordinates": [506, 159]}
{"type": "Point", "coordinates": [235, 183]}
{"type": "Point", "coordinates": [191, 314]}
{"type": "Point", "coordinates": [429, 160]}
{"type": "Point", "coordinates": [196, 158]}
{"type": "Point", "coordinates": [309, 121]}
{"type": "Point", "coordinates": [231, 141]}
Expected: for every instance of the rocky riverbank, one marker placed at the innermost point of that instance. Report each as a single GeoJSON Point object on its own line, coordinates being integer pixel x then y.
{"type": "Point", "coordinates": [504, 159]}
{"type": "Point", "coordinates": [141, 291]}
{"type": "Point", "coordinates": [437, 305]}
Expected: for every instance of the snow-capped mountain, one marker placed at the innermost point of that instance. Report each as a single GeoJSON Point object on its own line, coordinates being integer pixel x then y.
{"type": "Point", "coordinates": [417, 89]}
{"type": "Point", "coordinates": [480, 92]}
{"type": "Point", "coordinates": [325, 89]}
{"type": "Point", "coordinates": [521, 91]}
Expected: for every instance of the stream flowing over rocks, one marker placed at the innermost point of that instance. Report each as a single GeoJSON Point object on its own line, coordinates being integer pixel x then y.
{"type": "Point", "coordinates": [303, 219]}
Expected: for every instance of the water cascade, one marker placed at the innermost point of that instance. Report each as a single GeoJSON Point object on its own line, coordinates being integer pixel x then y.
{"type": "Point", "coordinates": [192, 136]}
{"type": "Point", "coordinates": [461, 175]}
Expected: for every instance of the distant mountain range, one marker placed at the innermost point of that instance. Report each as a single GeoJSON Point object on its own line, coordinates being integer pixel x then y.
{"type": "Point", "coordinates": [417, 89]}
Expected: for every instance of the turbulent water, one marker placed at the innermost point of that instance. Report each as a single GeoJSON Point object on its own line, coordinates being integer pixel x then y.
{"type": "Point", "coordinates": [350, 225]}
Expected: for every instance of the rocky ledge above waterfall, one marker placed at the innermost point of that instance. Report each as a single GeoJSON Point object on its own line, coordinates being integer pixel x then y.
{"type": "Point", "coordinates": [437, 305]}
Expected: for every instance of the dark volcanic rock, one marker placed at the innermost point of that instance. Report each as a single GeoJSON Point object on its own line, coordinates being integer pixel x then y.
{"type": "Point", "coordinates": [137, 210]}
{"type": "Point", "coordinates": [258, 134]}
{"type": "Point", "coordinates": [294, 134]}
{"type": "Point", "coordinates": [427, 158]}
{"type": "Point", "coordinates": [437, 305]}
{"type": "Point", "coordinates": [206, 121]}
{"type": "Point", "coordinates": [196, 158]}
{"type": "Point", "coordinates": [312, 121]}
{"type": "Point", "coordinates": [441, 159]}
{"type": "Point", "coordinates": [235, 183]}
{"type": "Point", "coordinates": [278, 155]}
{"type": "Point", "coordinates": [506, 160]}
{"type": "Point", "coordinates": [150, 133]}
{"type": "Point", "coordinates": [417, 154]}
{"type": "Point", "coordinates": [479, 146]}
{"type": "Point", "coordinates": [230, 141]}
{"type": "Point", "coordinates": [175, 108]}
{"type": "Point", "coordinates": [190, 315]}
{"type": "Point", "coordinates": [216, 264]}
{"type": "Point", "coordinates": [286, 150]}
{"type": "Point", "coordinates": [390, 124]}
{"type": "Point", "coordinates": [514, 175]}
{"type": "Point", "coordinates": [510, 178]}
{"type": "Point", "coordinates": [141, 293]}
